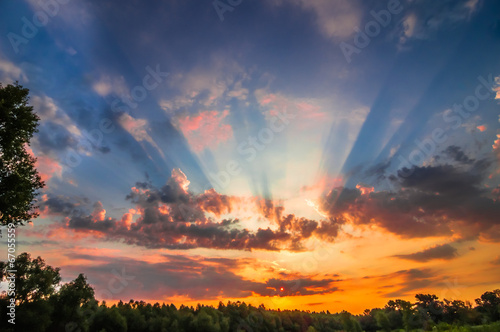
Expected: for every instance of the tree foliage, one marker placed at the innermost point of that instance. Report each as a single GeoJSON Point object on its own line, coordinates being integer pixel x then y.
{"type": "Point", "coordinates": [19, 179]}
{"type": "Point", "coordinates": [34, 279]}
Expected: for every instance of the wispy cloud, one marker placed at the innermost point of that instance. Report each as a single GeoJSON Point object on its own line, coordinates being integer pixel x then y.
{"type": "Point", "coordinates": [444, 251]}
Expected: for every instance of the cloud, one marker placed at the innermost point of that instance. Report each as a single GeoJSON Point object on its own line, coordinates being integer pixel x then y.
{"type": "Point", "coordinates": [138, 129]}
{"type": "Point", "coordinates": [426, 17]}
{"type": "Point", "coordinates": [444, 251]}
{"type": "Point", "coordinates": [496, 146]}
{"type": "Point", "coordinates": [439, 200]}
{"type": "Point", "coordinates": [57, 132]}
{"type": "Point", "coordinates": [497, 88]}
{"type": "Point", "coordinates": [409, 27]}
{"type": "Point", "coordinates": [308, 113]}
{"type": "Point", "coordinates": [10, 73]}
{"type": "Point", "coordinates": [107, 85]}
{"type": "Point", "coordinates": [299, 287]}
{"type": "Point", "coordinates": [210, 86]}
{"type": "Point", "coordinates": [54, 137]}
{"type": "Point", "coordinates": [335, 19]}
{"type": "Point", "coordinates": [49, 112]}
{"type": "Point", "coordinates": [172, 217]}
{"type": "Point", "coordinates": [190, 276]}
{"type": "Point", "coordinates": [404, 282]}
{"type": "Point", "coordinates": [408, 281]}
{"type": "Point", "coordinates": [238, 92]}
{"type": "Point", "coordinates": [206, 129]}
{"type": "Point", "coordinates": [481, 128]}
{"type": "Point", "coordinates": [46, 166]}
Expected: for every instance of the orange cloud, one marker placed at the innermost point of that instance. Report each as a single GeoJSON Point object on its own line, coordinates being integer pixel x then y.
{"type": "Point", "coordinates": [481, 128]}
{"type": "Point", "coordinates": [365, 190]}
{"type": "Point", "coordinates": [205, 130]}
{"type": "Point", "coordinates": [497, 88]}
{"type": "Point", "coordinates": [99, 214]}
{"type": "Point", "coordinates": [496, 146]}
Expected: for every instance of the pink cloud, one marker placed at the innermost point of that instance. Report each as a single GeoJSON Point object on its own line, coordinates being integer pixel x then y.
{"type": "Point", "coordinates": [267, 99]}
{"type": "Point", "coordinates": [46, 166]}
{"type": "Point", "coordinates": [136, 127]}
{"type": "Point", "coordinates": [275, 104]}
{"type": "Point", "coordinates": [205, 130]}
{"type": "Point", "coordinates": [481, 128]}
{"type": "Point", "coordinates": [310, 111]}
{"type": "Point", "coordinates": [99, 213]}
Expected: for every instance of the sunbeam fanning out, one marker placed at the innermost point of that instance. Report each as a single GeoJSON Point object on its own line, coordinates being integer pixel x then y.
{"type": "Point", "coordinates": [304, 154]}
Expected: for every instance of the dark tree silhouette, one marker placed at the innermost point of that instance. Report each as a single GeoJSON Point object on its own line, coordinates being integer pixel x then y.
{"type": "Point", "coordinates": [19, 180]}
{"type": "Point", "coordinates": [67, 304]}
{"type": "Point", "coordinates": [489, 304]}
{"type": "Point", "coordinates": [34, 279]}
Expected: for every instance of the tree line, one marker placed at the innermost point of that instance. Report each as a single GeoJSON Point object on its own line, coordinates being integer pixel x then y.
{"type": "Point", "coordinates": [42, 303]}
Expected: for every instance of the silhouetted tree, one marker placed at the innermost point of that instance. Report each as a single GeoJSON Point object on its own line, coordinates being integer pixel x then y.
{"type": "Point", "coordinates": [19, 180]}
{"type": "Point", "coordinates": [67, 304]}
{"type": "Point", "coordinates": [489, 304]}
{"type": "Point", "coordinates": [34, 280]}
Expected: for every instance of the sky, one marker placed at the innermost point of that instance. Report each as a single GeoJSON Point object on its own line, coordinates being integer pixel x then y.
{"type": "Point", "coordinates": [311, 154]}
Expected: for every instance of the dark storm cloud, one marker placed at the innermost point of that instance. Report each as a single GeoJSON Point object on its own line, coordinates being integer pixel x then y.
{"type": "Point", "coordinates": [433, 201]}
{"type": "Point", "coordinates": [175, 218]}
{"type": "Point", "coordinates": [88, 223]}
{"type": "Point", "coordinates": [61, 205]}
{"type": "Point", "coordinates": [457, 154]}
{"type": "Point", "coordinates": [54, 137]}
{"type": "Point", "coordinates": [444, 251]}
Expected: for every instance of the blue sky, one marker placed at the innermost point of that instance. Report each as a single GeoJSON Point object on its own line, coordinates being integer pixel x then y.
{"type": "Point", "coordinates": [268, 134]}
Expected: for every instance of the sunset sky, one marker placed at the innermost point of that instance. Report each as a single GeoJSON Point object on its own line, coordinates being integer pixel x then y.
{"type": "Point", "coordinates": [303, 154]}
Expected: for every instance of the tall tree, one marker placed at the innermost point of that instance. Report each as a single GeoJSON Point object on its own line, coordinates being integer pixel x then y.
{"type": "Point", "coordinates": [34, 279]}
{"type": "Point", "coordinates": [489, 304]}
{"type": "Point", "coordinates": [19, 179]}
